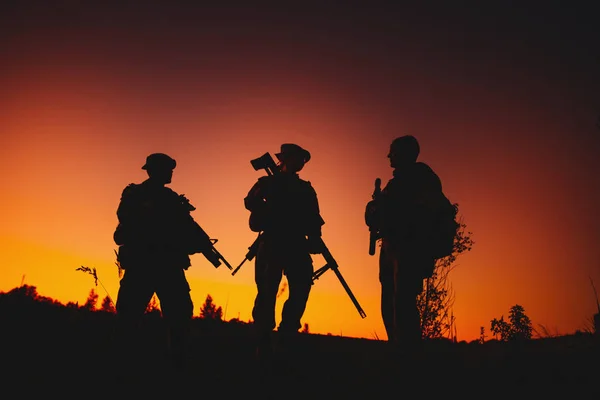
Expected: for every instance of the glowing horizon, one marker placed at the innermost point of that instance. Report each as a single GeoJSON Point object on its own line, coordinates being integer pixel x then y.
{"type": "Point", "coordinates": [511, 134]}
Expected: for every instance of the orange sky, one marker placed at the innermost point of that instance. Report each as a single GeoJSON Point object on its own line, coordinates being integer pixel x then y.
{"type": "Point", "coordinates": [504, 108]}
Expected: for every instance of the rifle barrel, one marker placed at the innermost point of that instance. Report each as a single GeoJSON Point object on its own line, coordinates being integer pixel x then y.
{"type": "Point", "coordinates": [238, 267]}
{"type": "Point", "coordinates": [350, 294]}
{"type": "Point", "coordinates": [224, 260]}
{"type": "Point", "coordinates": [252, 249]}
{"type": "Point", "coordinates": [332, 264]}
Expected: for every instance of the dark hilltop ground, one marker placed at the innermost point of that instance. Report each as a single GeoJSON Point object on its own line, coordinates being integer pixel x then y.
{"type": "Point", "coordinates": [50, 350]}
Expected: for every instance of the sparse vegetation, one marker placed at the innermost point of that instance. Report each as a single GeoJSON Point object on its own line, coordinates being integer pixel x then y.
{"type": "Point", "coordinates": [305, 329]}
{"type": "Point", "coordinates": [38, 328]}
{"type": "Point", "coordinates": [518, 327]}
{"type": "Point", "coordinates": [596, 318]}
{"type": "Point", "coordinates": [436, 301]}
{"type": "Point", "coordinates": [543, 331]}
{"type": "Point", "coordinates": [482, 335]}
{"type": "Point", "coordinates": [92, 301]}
{"type": "Point", "coordinates": [210, 311]}
{"type": "Point", "coordinates": [107, 305]}
{"type": "Point", "coordinates": [94, 274]}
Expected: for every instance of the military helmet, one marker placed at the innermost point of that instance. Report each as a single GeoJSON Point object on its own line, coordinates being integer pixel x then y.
{"type": "Point", "coordinates": [407, 146]}
{"type": "Point", "coordinates": [288, 149]}
{"type": "Point", "coordinates": [159, 161]}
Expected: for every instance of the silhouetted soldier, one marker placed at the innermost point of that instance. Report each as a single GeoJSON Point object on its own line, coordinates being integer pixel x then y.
{"type": "Point", "coordinates": [286, 210]}
{"type": "Point", "coordinates": [404, 214]}
{"type": "Point", "coordinates": [154, 234]}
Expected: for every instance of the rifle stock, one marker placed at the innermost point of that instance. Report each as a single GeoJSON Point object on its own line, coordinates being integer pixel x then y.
{"type": "Point", "coordinates": [333, 265]}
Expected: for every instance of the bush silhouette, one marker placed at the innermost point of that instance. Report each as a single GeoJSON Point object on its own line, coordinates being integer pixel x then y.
{"type": "Point", "coordinates": [518, 327]}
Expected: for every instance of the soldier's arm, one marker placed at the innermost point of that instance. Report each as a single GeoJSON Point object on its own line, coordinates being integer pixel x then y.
{"type": "Point", "coordinates": [126, 209]}
{"type": "Point", "coordinates": [315, 220]}
{"type": "Point", "coordinates": [255, 196]}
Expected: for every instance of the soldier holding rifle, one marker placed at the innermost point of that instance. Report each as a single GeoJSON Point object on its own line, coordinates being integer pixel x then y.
{"type": "Point", "coordinates": [156, 235]}
{"type": "Point", "coordinates": [402, 215]}
{"type": "Point", "coordinates": [285, 210]}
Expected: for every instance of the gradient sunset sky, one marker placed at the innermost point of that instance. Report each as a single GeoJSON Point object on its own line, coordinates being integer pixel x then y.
{"type": "Point", "coordinates": [504, 101]}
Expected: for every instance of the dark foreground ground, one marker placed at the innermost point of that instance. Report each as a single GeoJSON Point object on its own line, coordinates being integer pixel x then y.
{"type": "Point", "coordinates": [67, 354]}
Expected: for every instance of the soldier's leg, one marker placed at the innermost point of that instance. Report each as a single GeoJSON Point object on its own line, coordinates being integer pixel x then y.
{"type": "Point", "coordinates": [386, 278]}
{"type": "Point", "coordinates": [299, 276]}
{"type": "Point", "coordinates": [408, 319]}
{"type": "Point", "coordinates": [267, 276]}
{"type": "Point", "coordinates": [177, 307]}
{"type": "Point", "coordinates": [135, 292]}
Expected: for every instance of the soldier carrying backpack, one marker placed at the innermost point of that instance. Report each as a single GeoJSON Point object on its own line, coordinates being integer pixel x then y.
{"type": "Point", "coordinates": [416, 225]}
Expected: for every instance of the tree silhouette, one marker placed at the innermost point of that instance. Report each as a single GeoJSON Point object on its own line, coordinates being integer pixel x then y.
{"type": "Point", "coordinates": [518, 327]}
{"type": "Point", "coordinates": [305, 329]}
{"type": "Point", "coordinates": [436, 301]}
{"type": "Point", "coordinates": [92, 301]}
{"type": "Point", "coordinates": [501, 328]}
{"type": "Point", "coordinates": [210, 311]}
{"type": "Point", "coordinates": [107, 305]}
{"type": "Point", "coordinates": [24, 291]}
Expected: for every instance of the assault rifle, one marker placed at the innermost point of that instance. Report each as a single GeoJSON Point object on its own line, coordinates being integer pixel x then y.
{"type": "Point", "coordinates": [333, 265]}
{"type": "Point", "coordinates": [195, 239]}
{"type": "Point", "coordinates": [252, 250]}
{"type": "Point", "coordinates": [201, 242]}
{"type": "Point", "coordinates": [206, 246]}
{"type": "Point", "coordinates": [267, 163]}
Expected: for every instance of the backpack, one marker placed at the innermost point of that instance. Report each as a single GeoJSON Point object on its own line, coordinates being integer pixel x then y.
{"type": "Point", "coordinates": [445, 229]}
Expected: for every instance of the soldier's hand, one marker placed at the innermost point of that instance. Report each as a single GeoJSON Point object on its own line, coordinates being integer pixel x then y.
{"type": "Point", "coordinates": [315, 245]}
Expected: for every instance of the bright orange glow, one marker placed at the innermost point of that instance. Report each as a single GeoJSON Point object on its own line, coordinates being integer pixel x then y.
{"type": "Point", "coordinates": [77, 121]}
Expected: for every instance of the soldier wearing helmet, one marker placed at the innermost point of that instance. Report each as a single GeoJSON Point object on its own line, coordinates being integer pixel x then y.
{"type": "Point", "coordinates": [154, 252]}
{"type": "Point", "coordinates": [291, 232]}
